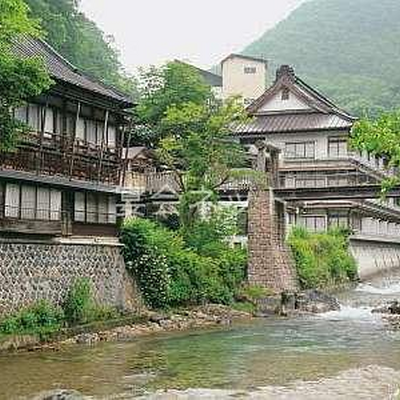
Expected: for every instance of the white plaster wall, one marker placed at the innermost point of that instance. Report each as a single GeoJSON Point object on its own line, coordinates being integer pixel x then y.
{"type": "Point", "coordinates": [237, 83]}
{"type": "Point", "coordinates": [320, 139]}
{"type": "Point", "coordinates": [277, 104]}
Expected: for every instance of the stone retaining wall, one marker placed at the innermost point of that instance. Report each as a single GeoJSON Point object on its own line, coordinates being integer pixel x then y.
{"type": "Point", "coordinates": [34, 271]}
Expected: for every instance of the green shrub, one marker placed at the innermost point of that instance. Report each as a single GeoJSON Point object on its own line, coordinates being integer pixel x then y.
{"type": "Point", "coordinates": [38, 318]}
{"type": "Point", "coordinates": [79, 304]}
{"type": "Point", "coordinates": [322, 259]}
{"type": "Point", "coordinates": [252, 293]}
{"type": "Point", "coordinates": [170, 272]}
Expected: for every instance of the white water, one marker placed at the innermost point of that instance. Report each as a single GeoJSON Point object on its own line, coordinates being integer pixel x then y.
{"type": "Point", "coordinates": [357, 314]}
{"type": "Point", "coordinates": [382, 290]}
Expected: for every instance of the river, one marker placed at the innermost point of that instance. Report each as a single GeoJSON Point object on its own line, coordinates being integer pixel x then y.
{"type": "Point", "coordinates": [349, 354]}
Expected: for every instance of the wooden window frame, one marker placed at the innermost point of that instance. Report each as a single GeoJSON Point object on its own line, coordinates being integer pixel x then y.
{"type": "Point", "coordinates": [303, 144]}
{"type": "Point", "coordinates": [86, 221]}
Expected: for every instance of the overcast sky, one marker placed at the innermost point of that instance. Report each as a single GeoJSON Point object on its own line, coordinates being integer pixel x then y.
{"type": "Point", "coordinates": [200, 31]}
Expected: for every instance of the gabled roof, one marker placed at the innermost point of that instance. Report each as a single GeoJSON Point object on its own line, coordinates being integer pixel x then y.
{"type": "Point", "coordinates": [62, 70]}
{"type": "Point", "coordinates": [211, 79]}
{"type": "Point", "coordinates": [319, 112]}
{"type": "Point", "coordinates": [286, 78]}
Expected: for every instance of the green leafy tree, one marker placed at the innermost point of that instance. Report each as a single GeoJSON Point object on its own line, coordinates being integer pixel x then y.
{"type": "Point", "coordinates": [173, 85]}
{"type": "Point", "coordinates": [380, 137]}
{"type": "Point", "coordinates": [20, 79]}
{"type": "Point", "coordinates": [198, 148]}
{"type": "Point", "coordinates": [80, 41]}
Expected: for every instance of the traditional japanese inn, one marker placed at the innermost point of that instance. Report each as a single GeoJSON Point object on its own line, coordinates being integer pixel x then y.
{"type": "Point", "coordinates": [59, 189]}
{"type": "Point", "coordinates": [62, 180]}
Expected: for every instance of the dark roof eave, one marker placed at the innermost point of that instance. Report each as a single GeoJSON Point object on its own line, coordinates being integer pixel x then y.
{"type": "Point", "coordinates": [120, 105]}
{"type": "Point", "coordinates": [59, 182]}
{"type": "Point", "coordinates": [258, 134]}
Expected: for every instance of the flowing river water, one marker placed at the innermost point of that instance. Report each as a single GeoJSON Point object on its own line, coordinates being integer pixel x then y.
{"type": "Point", "coordinates": [349, 354]}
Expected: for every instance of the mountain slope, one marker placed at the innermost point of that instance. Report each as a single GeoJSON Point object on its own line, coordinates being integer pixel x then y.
{"type": "Point", "coordinates": [81, 41]}
{"type": "Point", "coordinates": [349, 49]}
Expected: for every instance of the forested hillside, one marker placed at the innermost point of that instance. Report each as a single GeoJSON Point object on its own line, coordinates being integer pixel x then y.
{"type": "Point", "coordinates": [348, 49]}
{"type": "Point", "coordinates": [80, 41]}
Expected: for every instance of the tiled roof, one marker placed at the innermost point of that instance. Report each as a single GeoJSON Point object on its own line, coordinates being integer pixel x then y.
{"type": "Point", "coordinates": [60, 69]}
{"type": "Point", "coordinates": [281, 123]}
{"type": "Point", "coordinates": [211, 79]}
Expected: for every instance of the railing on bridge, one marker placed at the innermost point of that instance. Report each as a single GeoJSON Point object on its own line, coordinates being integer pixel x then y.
{"type": "Point", "coordinates": [167, 182]}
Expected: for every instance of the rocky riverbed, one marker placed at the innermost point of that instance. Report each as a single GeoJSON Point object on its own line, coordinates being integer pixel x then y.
{"type": "Point", "coordinates": [197, 318]}
{"type": "Point", "coordinates": [153, 322]}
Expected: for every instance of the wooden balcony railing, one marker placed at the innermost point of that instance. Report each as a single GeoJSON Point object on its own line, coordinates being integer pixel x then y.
{"type": "Point", "coordinates": [61, 155]}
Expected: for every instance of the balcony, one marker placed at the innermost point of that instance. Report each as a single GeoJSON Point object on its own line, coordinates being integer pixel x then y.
{"type": "Point", "coordinates": [60, 155]}
{"type": "Point", "coordinates": [350, 160]}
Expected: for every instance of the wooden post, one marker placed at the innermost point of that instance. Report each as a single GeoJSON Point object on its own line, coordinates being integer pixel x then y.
{"type": "Point", "coordinates": [42, 128]}
{"type": "Point", "coordinates": [102, 145]}
{"type": "Point", "coordinates": [125, 160]}
{"type": "Point", "coordinates": [78, 112]}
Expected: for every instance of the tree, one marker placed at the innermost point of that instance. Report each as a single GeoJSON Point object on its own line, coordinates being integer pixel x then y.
{"type": "Point", "coordinates": [380, 137]}
{"type": "Point", "coordinates": [20, 79]}
{"type": "Point", "coordinates": [198, 148]}
{"type": "Point", "coordinates": [81, 42]}
{"type": "Point", "coordinates": [174, 85]}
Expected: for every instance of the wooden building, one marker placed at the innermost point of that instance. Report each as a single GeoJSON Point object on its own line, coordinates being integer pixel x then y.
{"type": "Point", "coordinates": [313, 136]}
{"type": "Point", "coordinates": [63, 178]}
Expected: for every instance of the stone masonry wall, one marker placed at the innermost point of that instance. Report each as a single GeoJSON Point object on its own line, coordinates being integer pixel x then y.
{"type": "Point", "coordinates": [270, 261]}
{"type": "Point", "coordinates": [35, 271]}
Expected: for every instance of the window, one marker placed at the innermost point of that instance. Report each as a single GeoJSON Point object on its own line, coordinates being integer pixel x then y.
{"type": "Point", "coordinates": [34, 117]}
{"type": "Point", "coordinates": [112, 136]}
{"type": "Point", "coordinates": [338, 180]}
{"type": "Point", "coordinates": [49, 125]}
{"type": "Point", "coordinates": [95, 208]}
{"type": "Point", "coordinates": [250, 70]}
{"type": "Point", "coordinates": [21, 114]}
{"type": "Point", "coordinates": [338, 221]}
{"type": "Point", "coordinates": [242, 222]}
{"type": "Point", "coordinates": [310, 181]}
{"type": "Point", "coordinates": [337, 147]}
{"type": "Point", "coordinates": [80, 129]}
{"type": "Point", "coordinates": [90, 128]}
{"type": "Point", "coordinates": [285, 94]}
{"type": "Point", "coordinates": [32, 203]}
{"type": "Point", "coordinates": [314, 223]}
{"type": "Point", "coordinates": [300, 150]}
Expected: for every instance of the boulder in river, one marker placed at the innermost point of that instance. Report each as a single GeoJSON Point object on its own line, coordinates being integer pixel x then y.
{"type": "Point", "coordinates": [60, 394]}
{"type": "Point", "coordinates": [314, 301]}
{"type": "Point", "coordinates": [391, 308]}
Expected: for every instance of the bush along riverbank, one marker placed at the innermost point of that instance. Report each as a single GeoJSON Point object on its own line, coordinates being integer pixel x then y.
{"type": "Point", "coordinates": [323, 265]}
{"type": "Point", "coordinates": [179, 269]}
{"type": "Point", "coordinates": [80, 321]}
{"type": "Point", "coordinates": [323, 260]}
